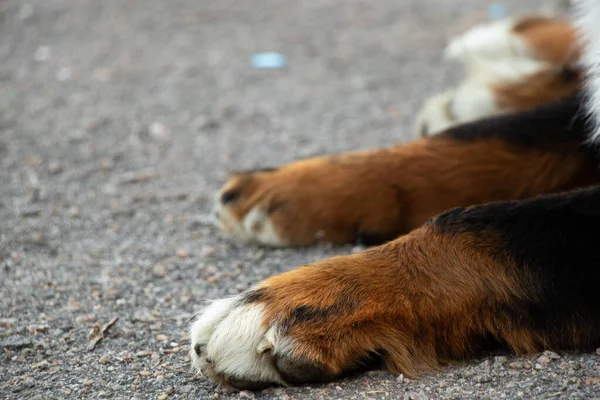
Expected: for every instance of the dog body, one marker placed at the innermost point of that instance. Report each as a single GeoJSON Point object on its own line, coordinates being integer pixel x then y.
{"type": "Point", "coordinates": [499, 218]}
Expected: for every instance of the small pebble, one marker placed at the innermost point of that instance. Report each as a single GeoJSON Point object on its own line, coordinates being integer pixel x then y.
{"type": "Point", "coordinates": [25, 12]}
{"type": "Point", "coordinates": [186, 389]}
{"type": "Point", "coordinates": [499, 360]}
{"type": "Point", "coordinates": [74, 212]}
{"type": "Point", "coordinates": [54, 167]}
{"type": "Point", "coordinates": [29, 383]}
{"type": "Point", "coordinates": [145, 373]}
{"type": "Point", "coordinates": [30, 211]}
{"type": "Point", "coordinates": [543, 359]}
{"type": "Point", "coordinates": [63, 74]}
{"type": "Point", "coordinates": [518, 364]}
{"type": "Point", "coordinates": [159, 270]}
{"type": "Point", "coordinates": [485, 365]}
{"type": "Point", "coordinates": [107, 163]}
{"type": "Point", "coordinates": [85, 318]}
{"type": "Point", "coordinates": [208, 251]}
{"type": "Point", "coordinates": [42, 54]}
{"type": "Point", "coordinates": [159, 131]}
{"type": "Point", "coordinates": [33, 329]}
{"type": "Point", "coordinates": [16, 342]}
{"type": "Point", "coordinates": [182, 253]}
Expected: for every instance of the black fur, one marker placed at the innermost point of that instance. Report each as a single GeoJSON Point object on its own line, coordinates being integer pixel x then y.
{"type": "Point", "coordinates": [367, 239]}
{"type": "Point", "coordinates": [553, 243]}
{"type": "Point", "coordinates": [253, 296]}
{"type": "Point", "coordinates": [549, 127]}
{"type": "Point", "coordinates": [230, 196]}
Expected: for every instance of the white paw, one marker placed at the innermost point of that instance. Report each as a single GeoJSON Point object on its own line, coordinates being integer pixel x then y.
{"type": "Point", "coordinates": [255, 226]}
{"type": "Point", "coordinates": [470, 101]}
{"type": "Point", "coordinates": [435, 115]}
{"type": "Point", "coordinates": [494, 54]}
{"type": "Point", "coordinates": [492, 40]}
{"type": "Point", "coordinates": [230, 344]}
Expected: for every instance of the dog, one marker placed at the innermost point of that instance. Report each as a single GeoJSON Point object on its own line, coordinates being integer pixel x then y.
{"type": "Point", "coordinates": [486, 226]}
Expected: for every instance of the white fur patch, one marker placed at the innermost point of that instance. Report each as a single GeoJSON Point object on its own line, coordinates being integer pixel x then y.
{"type": "Point", "coordinates": [258, 225]}
{"type": "Point", "coordinates": [588, 21]}
{"type": "Point", "coordinates": [235, 343]}
{"type": "Point", "coordinates": [433, 116]}
{"type": "Point", "coordinates": [493, 55]}
{"type": "Point", "coordinates": [208, 319]}
{"type": "Point", "coordinates": [470, 101]}
{"type": "Point", "coordinates": [488, 40]}
{"type": "Point", "coordinates": [473, 100]}
{"type": "Point", "coordinates": [255, 226]}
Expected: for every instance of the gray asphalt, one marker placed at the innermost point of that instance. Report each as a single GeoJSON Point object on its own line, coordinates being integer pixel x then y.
{"type": "Point", "coordinates": [118, 122]}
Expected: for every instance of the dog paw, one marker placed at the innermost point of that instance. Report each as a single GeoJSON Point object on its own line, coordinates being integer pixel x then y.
{"type": "Point", "coordinates": [335, 199]}
{"type": "Point", "coordinates": [231, 343]}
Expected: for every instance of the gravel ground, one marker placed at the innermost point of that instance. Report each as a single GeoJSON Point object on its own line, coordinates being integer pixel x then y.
{"type": "Point", "coordinates": [118, 122]}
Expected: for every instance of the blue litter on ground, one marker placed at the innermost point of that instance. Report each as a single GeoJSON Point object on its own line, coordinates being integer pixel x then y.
{"type": "Point", "coordinates": [269, 61]}
{"type": "Point", "coordinates": [496, 11]}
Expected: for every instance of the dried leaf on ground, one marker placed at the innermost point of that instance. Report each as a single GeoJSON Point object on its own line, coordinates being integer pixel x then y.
{"type": "Point", "coordinates": [97, 333]}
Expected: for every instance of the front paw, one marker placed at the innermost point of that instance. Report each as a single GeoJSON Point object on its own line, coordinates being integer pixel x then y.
{"type": "Point", "coordinates": [316, 323]}
{"type": "Point", "coordinates": [231, 343]}
{"type": "Point", "coordinates": [435, 115]}
{"type": "Point", "coordinates": [336, 199]}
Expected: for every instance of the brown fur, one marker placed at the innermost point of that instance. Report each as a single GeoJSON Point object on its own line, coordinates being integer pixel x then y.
{"type": "Point", "coordinates": [418, 301]}
{"type": "Point", "coordinates": [540, 88]}
{"type": "Point", "coordinates": [550, 39]}
{"type": "Point", "coordinates": [390, 192]}
{"type": "Point", "coordinates": [555, 42]}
